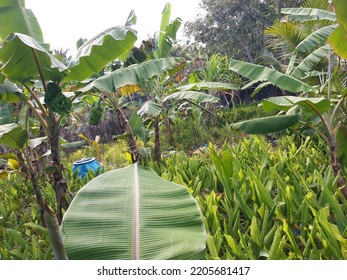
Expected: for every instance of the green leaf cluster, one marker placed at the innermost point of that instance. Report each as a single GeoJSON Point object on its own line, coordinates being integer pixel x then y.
{"type": "Point", "coordinates": [266, 201]}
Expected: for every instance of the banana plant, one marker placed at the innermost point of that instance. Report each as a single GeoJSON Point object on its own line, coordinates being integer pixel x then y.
{"type": "Point", "coordinates": [161, 44]}
{"type": "Point", "coordinates": [24, 59]}
{"type": "Point", "coordinates": [157, 106]}
{"type": "Point", "coordinates": [133, 214]}
{"type": "Point", "coordinates": [319, 114]}
{"type": "Point", "coordinates": [129, 80]}
{"type": "Point", "coordinates": [155, 49]}
{"type": "Point", "coordinates": [40, 64]}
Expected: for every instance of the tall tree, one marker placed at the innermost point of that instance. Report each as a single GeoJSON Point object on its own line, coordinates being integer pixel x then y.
{"type": "Point", "coordinates": [234, 27]}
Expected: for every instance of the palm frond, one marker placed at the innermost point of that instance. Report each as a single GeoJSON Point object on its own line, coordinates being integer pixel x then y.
{"type": "Point", "coordinates": [283, 37]}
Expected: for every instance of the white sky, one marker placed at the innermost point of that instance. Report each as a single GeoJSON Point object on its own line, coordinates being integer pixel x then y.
{"type": "Point", "coordinates": [63, 22]}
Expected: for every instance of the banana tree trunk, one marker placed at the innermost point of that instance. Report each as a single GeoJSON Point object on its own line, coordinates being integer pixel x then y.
{"type": "Point", "coordinates": [38, 194]}
{"type": "Point", "coordinates": [59, 182]}
{"type": "Point", "coordinates": [125, 125]}
{"type": "Point", "coordinates": [49, 220]}
{"type": "Point", "coordinates": [54, 234]}
{"type": "Point", "coordinates": [157, 152]}
{"type": "Point", "coordinates": [337, 169]}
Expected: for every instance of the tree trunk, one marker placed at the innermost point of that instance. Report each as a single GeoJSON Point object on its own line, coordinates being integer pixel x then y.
{"type": "Point", "coordinates": [124, 122]}
{"type": "Point", "coordinates": [157, 152]}
{"type": "Point", "coordinates": [59, 182]}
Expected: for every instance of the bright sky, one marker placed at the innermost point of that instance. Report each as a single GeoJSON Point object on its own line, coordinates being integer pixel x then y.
{"type": "Point", "coordinates": [63, 22]}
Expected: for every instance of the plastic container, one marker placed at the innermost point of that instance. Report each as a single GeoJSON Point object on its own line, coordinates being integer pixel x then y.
{"type": "Point", "coordinates": [82, 166]}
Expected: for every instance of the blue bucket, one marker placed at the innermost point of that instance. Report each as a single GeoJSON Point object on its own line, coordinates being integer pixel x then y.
{"type": "Point", "coordinates": [83, 165]}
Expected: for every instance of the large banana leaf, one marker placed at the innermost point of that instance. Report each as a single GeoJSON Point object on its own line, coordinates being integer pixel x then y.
{"type": "Point", "coordinates": [341, 13]}
{"type": "Point", "coordinates": [14, 17]}
{"type": "Point", "coordinates": [131, 20]}
{"type": "Point", "coordinates": [137, 74]}
{"type": "Point", "coordinates": [316, 39]}
{"type": "Point", "coordinates": [22, 55]}
{"type": "Point", "coordinates": [309, 62]}
{"type": "Point", "coordinates": [8, 92]}
{"type": "Point", "coordinates": [138, 127]}
{"type": "Point", "coordinates": [307, 14]}
{"type": "Point", "coordinates": [96, 53]}
{"type": "Point", "coordinates": [309, 105]}
{"type": "Point", "coordinates": [267, 124]}
{"type": "Point", "coordinates": [192, 95]}
{"type": "Point", "coordinates": [167, 32]}
{"type": "Point", "coordinates": [209, 85]}
{"type": "Point", "coordinates": [132, 213]}
{"type": "Point", "coordinates": [338, 42]}
{"type": "Point", "coordinates": [338, 39]}
{"type": "Point", "coordinates": [262, 73]}
{"type": "Point", "coordinates": [150, 108]}
{"type": "Point", "coordinates": [5, 113]}
{"type": "Point", "coordinates": [13, 136]}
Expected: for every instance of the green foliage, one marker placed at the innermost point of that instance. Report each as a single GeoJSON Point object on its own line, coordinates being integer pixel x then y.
{"type": "Point", "coordinates": [299, 41]}
{"type": "Point", "coordinates": [282, 199]}
{"type": "Point", "coordinates": [13, 136]}
{"type": "Point", "coordinates": [191, 128]}
{"type": "Point", "coordinates": [266, 202]}
{"type": "Point", "coordinates": [242, 113]}
{"type": "Point", "coordinates": [21, 236]}
{"type": "Point", "coordinates": [112, 155]}
{"type": "Point", "coordinates": [257, 73]}
{"type": "Point", "coordinates": [267, 124]}
{"type": "Point", "coordinates": [113, 43]}
{"type": "Point", "coordinates": [231, 27]}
